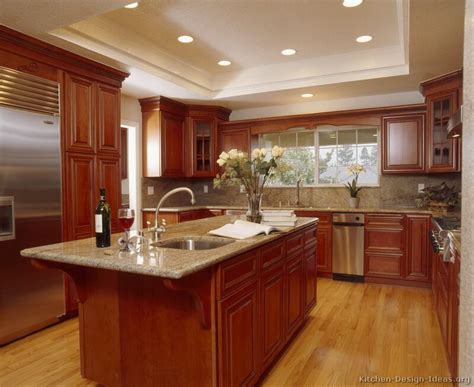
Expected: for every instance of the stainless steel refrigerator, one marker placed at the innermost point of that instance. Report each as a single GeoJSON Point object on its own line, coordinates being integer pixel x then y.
{"type": "Point", "coordinates": [30, 202]}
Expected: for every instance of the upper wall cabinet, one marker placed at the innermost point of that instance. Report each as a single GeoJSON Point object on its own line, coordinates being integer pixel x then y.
{"type": "Point", "coordinates": [163, 137]}
{"type": "Point", "coordinates": [108, 122]}
{"type": "Point", "coordinates": [403, 143]}
{"type": "Point", "coordinates": [231, 137]}
{"type": "Point", "coordinates": [179, 140]}
{"type": "Point", "coordinates": [443, 98]}
{"type": "Point", "coordinates": [202, 122]}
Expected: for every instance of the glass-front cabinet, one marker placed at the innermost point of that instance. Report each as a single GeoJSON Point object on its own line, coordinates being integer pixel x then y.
{"type": "Point", "coordinates": [204, 136]}
{"type": "Point", "coordinates": [443, 98]}
{"type": "Point", "coordinates": [201, 147]}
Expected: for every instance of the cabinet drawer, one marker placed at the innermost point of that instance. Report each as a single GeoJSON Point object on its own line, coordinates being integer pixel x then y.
{"type": "Point", "coordinates": [234, 273]}
{"type": "Point", "coordinates": [386, 240]}
{"type": "Point", "coordinates": [310, 236]}
{"type": "Point", "coordinates": [294, 242]}
{"type": "Point", "coordinates": [272, 253]}
{"type": "Point", "coordinates": [384, 221]}
{"type": "Point", "coordinates": [383, 265]}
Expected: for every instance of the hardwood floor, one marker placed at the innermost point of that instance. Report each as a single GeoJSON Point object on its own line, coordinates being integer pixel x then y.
{"type": "Point", "coordinates": [356, 330]}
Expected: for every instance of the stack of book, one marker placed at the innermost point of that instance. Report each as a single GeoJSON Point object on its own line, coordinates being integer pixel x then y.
{"type": "Point", "coordinates": [279, 218]}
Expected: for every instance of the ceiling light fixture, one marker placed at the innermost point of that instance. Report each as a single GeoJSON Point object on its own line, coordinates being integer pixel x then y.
{"type": "Point", "coordinates": [288, 51]}
{"type": "Point", "coordinates": [185, 39]}
{"type": "Point", "coordinates": [131, 5]}
{"type": "Point", "coordinates": [364, 39]}
{"type": "Point", "coordinates": [351, 3]}
{"type": "Point", "coordinates": [224, 63]}
{"type": "Point", "coordinates": [307, 95]}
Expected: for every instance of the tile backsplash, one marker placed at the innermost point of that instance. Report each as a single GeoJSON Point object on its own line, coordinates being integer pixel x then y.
{"type": "Point", "coordinates": [394, 191]}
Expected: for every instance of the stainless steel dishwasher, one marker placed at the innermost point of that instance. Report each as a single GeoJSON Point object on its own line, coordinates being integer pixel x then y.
{"type": "Point", "coordinates": [348, 246]}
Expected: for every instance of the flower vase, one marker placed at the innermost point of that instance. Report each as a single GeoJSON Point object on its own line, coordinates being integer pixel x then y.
{"type": "Point", "coordinates": [254, 213]}
{"type": "Point", "coordinates": [354, 202]}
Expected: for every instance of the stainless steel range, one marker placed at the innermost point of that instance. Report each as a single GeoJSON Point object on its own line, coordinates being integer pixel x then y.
{"type": "Point", "coordinates": [440, 235]}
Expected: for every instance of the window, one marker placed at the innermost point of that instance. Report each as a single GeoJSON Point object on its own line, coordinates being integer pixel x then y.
{"type": "Point", "coordinates": [321, 157]}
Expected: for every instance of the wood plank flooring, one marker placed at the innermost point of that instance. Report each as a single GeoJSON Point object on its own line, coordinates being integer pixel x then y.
{"type": "Point", "coordinates": [356, 330]}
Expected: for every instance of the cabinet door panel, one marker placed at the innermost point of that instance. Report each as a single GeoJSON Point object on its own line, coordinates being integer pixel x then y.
{"type": "Point", "coordinates": [172, 146]}
{"type": "Point", "coordinates": [295, 289]}
{"type": "Point", "coordinates": [108, 116]}
{"type": "Point", "coordinates": [324, 251]}
{"type": "Point", "coordinates": [79, 114]}
{"type": "Point", "coordinates": [238, 338]}
{"type": "Point", "coordinates": [403, 144]}
{"type": "Point", "coordinates": [273, 308]}
{"type": "Point", "coordinates": [443, 153]}
{"type": "Point", "coordinates": [109, 178]}
{"type": "Point", "coordinates": [418, 247]}
{"type": "Point", "coordinates": [310, 278]}
{"type": "Point", "coordinates": [203, 151]}
{"type": "Point", "coordinates": [383, 265]}
{"type": "Point", "coordinates": [80, 185]}
{"type": "Point", "coordinates": [234, 139]}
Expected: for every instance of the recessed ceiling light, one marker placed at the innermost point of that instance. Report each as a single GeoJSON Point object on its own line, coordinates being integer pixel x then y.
{"type": "Point", "coordinates": [224, 63]}
{"type": "Point", "coordinates": [185, 39]}
{"type": "Point", "coordinates": [352, 3]}
{"type": "Point", "coordinates": [364, 39]}
{"type": "Point", "coordinates": [307, 95]}
{"type": "Point", "coordinates": [131, 5]}
{"type": "Point", "coordinates": [288, 51]}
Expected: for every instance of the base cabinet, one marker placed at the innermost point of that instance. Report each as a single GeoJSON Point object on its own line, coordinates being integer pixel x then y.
{"type": "Point", "coordinates": [272, 290]}
{"type": "Point", "coordinates": [263, 299]}
{"type": "Point", "coordinates": [239, 337]}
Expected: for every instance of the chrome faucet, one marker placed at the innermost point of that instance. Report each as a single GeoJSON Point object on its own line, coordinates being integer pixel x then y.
{"type": "Point", "coordinates": [299, 184]}
{"type": "Point", "coordinates": [160, 227]}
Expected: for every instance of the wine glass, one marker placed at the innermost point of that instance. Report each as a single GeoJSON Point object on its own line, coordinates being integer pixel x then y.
{"type": "Point", "coordinates": [126, 218]}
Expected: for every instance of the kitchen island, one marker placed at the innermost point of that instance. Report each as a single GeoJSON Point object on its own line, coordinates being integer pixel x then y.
{"type": "Point", "coordinates": [217, 317]}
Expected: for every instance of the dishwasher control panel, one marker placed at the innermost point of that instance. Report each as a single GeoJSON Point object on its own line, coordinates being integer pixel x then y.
{"type": "Point", "coordinates": [348, 218]}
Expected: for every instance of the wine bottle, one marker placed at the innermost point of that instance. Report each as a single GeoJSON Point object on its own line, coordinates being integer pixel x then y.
{"type": "Point", "coordinates": [102, 221]}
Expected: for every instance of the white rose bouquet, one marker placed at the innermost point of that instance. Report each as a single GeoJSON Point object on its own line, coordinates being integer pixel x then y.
{"type": "Point", "coordinates": [253, 173]}
{"type": "Point", "coordinates": [355, 170]}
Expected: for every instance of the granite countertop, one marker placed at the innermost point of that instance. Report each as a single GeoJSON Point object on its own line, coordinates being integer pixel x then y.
{"type": "Point", "coordinates": [157, 261]}
{"type": "Point", "coordinates": [403, 210]}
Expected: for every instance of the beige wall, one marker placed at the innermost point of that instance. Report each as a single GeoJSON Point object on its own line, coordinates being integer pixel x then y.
{"type": "Point", "coordinates": [466, 329]}
{"type": "Point", "coordinates": [130, 109]}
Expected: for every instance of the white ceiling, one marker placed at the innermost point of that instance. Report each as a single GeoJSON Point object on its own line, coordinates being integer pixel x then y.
{"type": "Point", "coordinates": [413, 40]}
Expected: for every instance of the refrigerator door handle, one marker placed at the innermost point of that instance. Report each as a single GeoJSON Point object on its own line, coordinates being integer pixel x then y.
{"type": "Point", "coordinates": [7, 218]}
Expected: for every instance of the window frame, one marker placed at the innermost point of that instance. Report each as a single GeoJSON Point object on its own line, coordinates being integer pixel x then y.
{"type": "Point", "coordinates": [329, 128]}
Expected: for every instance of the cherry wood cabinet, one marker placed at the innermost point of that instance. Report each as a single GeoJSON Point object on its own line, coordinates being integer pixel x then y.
{"type": "Point", "coordinates": [163, 137]}
{"type": "Point", "coordinates": [202, 122]}
{"type": "Point", "coordinates": [446, 290]}
{"type": "Point", "coordinates": [310, 270]}
{"type": "Point", "coordinates": [384, 245]}
{"type": "Point", "coordinates": [238, 337]}
{"type": "Point", "coordinates": [272, 290]}
{"type": "Point", "coordinates": [443, 98]}
{"type": "Point", "coordinates": [80, 105]}
{"type": "Point", "coordinates": [295, 293]}
{"type": "Point", "coordinates": [234, 138]}
{"type": "Point", "coordinates": [324, 237]}
{"type": "Point", "coordinates": [108, 121]}
{"type": "Point", "coordinates": [403, 143]}
{"type": "Point", "coordinates": [109, 178]}
{"type": "Point", "coordinates": [262, 303]}
{"type": "Point", "coordinates": [179, 140]}
{"type": "Point", "coordinates": [80, 195]}
{"type": "Point", "coordinates": [418, 248]}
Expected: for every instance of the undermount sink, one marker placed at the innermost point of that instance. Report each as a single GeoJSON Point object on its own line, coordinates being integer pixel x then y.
{"type": "Point", "coordinates": [193, 243]}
